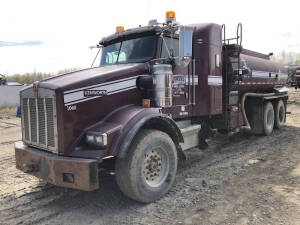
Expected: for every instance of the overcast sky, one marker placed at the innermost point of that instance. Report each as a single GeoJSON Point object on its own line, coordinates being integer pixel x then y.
{"type": "Point", "coordinates": [50, 35]}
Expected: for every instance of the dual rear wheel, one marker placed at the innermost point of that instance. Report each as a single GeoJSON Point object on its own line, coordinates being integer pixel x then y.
{"type": "Point", "coordinates": [272, 116]}
{"type": "Point", "coordinates": [280, 113]}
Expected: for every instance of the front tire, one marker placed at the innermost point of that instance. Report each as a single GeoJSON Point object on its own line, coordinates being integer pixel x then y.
{"type": "Point", "coordinates": [148, 170]}
{"type": "Point", "coordinates": [280, 112]}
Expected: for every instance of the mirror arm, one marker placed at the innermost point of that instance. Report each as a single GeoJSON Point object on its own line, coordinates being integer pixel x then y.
{"type": "Point", "coordinates": [96, 46]}
{"type": "Point", "coordinates": [99, 47]}
{"type": "Point", "coordinates": [164, 41]}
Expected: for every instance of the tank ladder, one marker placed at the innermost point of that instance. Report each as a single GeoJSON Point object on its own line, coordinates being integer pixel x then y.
{"type": "Point", "coordinates": [232, 48]}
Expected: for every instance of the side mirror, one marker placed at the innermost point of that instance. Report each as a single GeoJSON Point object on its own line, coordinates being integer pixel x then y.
{"type": "Point", "coordinates": [185, 45]}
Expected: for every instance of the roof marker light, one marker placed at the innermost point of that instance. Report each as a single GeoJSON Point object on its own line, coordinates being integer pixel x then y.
{"type": "Point", "coordinates": [119, 29]}
{"type": "Point", "coordinates": [170, 16]}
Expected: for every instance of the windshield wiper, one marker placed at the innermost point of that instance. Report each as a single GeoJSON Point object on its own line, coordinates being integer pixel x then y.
{"type": "Point", "coordinates": [119, 52]}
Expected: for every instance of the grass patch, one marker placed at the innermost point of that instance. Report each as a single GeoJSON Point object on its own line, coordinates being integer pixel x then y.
{"type": "Point", "coordinates": [8, 111]}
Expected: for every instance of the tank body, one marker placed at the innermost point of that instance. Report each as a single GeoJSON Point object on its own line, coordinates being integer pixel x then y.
{"type": "Point", "coordinates": [257, 73]}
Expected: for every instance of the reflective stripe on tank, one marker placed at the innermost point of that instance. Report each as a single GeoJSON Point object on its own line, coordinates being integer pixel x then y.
{"type": "Point", "coordinates": [266, 74]}
{"type": "Point", "coordinates": [257, 83]}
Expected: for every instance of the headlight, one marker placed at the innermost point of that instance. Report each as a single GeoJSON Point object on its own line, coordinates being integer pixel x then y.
{"type": "Point", "coordinates": [96, 139]}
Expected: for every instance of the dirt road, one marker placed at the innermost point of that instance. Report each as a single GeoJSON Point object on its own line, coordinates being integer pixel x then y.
{"type": "Point", "coordinates": [242, 179]}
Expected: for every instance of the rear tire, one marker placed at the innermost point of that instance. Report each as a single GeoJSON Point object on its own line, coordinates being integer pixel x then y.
{"type": "Point", "coordinates": [261, 118]}
{"type": "Point", "coordinates": [148, 170]}
{"type": "Point", "coordinates": [268, 119]}
{"type": "Point", "coordinates": [279, 114]}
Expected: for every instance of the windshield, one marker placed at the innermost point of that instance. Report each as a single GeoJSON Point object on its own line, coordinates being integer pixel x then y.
{"type": "Point", "coordinates": [129, 51]}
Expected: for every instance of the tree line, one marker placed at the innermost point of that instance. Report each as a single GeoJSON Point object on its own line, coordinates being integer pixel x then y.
{"type": "Point", "coordinates": [287, 58]}
{"type": "Point", "coordinates": [29, 78]}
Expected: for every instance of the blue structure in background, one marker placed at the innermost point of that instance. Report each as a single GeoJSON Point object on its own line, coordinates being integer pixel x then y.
{"type": "Point", "coordinates": [18, 114]}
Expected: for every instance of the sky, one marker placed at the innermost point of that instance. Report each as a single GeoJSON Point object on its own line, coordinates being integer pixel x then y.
{"type": "Point", "coordinates": [50, 35]}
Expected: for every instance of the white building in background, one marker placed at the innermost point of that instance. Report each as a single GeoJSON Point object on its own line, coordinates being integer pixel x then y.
{"type": "Point", "coordinates": [9, 94]}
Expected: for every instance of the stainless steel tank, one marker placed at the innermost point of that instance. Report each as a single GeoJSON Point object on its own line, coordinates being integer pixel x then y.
{"type": "Point", "coordinates": [162, 77]}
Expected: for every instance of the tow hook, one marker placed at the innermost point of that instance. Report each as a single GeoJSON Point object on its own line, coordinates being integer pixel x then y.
{"type": "Point", "coordinates": [31, 167]}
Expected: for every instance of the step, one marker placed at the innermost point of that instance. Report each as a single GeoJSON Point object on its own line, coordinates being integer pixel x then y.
{"type": "Point", "coordinates": [190, 136]}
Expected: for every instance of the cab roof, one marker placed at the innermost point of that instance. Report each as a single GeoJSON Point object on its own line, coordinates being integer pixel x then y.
{"type": "Point", "coordinates": [131, 33]}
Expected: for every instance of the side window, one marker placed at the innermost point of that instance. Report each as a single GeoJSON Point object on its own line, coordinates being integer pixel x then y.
{"type": "Point", "coordinates": [109, 54]}
{"type": "Point", "coordinates": [173, 46]}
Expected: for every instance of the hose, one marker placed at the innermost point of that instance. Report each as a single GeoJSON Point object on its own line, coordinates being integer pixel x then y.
{"type": "Point", "coordinates": [243, 104]}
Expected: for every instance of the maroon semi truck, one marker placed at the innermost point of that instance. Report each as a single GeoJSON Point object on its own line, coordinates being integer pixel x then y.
{"type": "Point", "coordinates": [159, 90]}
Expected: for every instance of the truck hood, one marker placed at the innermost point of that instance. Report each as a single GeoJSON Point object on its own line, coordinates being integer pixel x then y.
{"type": "Point", "coordinates": [92, 76]}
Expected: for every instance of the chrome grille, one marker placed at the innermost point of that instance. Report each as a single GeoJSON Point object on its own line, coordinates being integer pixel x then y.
{"type": "Point", "coordinates": [42, 121]}
{"type": "Point", "coordinates": [32, 120]}
{"type": "Point", "coordinates": [50, 122]}
{"type": "Point", "coordinates": [25, 119]}
{"type": "Point", "coordinates": [39, 123]}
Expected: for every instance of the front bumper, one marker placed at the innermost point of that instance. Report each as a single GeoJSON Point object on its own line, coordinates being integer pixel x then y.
{"type": "Point", "coordinates": [61, 171]}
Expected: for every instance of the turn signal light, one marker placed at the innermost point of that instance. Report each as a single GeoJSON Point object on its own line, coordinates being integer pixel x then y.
{"type": "Point", "coordinates": [146, 103]}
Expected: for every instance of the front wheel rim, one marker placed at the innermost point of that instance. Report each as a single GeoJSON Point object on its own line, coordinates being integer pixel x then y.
{"type": "Point", "coordinates": [155, 167]}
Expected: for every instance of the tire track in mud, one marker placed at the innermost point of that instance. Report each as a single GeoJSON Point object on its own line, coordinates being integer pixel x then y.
{"type": "Point", "coordinates": [34, 206]}
{"type": "Point", "coordinates": [8, 142]}
{"type": "Point", "coordinates": [9, 123]}
{"type": "Point", "coordinates": [26, 199]}
{"type": "Point", "coordinates": [30, 207]}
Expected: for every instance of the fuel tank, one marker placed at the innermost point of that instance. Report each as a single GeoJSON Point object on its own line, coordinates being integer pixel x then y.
{"type": "Point", "coordinates": [162, 74]}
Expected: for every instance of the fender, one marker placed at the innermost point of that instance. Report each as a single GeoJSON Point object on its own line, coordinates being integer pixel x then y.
{"type": "Point", "coordinates": [156, 120]}
{"type": "Point", "coordinates": [133, 119]}
{"type": "Point", "coordinates": [122, 125]}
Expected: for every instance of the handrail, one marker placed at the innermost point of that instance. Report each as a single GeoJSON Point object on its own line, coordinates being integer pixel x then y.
{"type": "Point", "coordinates": [239, 34]}
{"type": "Point", "coordinates": [238, 38]}
{"type": "Point", "coordinates": [223, 34]}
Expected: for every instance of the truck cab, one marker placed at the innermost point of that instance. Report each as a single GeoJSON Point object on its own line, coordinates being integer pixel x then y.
{"type": "Point", "coordinates": [158, 91]}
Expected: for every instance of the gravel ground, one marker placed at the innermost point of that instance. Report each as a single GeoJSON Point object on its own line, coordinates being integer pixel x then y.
{"type": "Point", "coordinates": [239, 179]}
